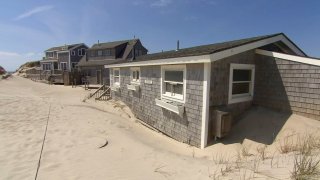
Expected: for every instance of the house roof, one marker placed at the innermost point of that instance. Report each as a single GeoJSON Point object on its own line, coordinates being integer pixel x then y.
{"type": "Point", "coordinates": [113, 44]}
{"type": "Point", "coordinates": [202, 50]}
{"type": "Point", "coordinates": [84, 62]}
{"type": "Point", "coordinates": [64, 47]}
{"type": "Point", "coordinates": [97, 62]}
{"type": "Point", "coordinates": [211, 49]}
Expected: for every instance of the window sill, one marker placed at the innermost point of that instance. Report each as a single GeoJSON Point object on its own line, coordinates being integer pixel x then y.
{"type": "Point", "coordinates": [133, 87]}
{"type": "Point", "coordinates": [135, 82]}
{"type": "Point", "coordinates": [238, 99]}
{"type": "Point", "coordinates": [115, 88]}
{"type": "Point", "coordinates": [169, 105]}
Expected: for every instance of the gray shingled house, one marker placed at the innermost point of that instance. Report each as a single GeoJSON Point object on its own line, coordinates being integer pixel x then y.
{"type": "Point", "coordinates": [100, 54]}
{"type": "Point", "coordinates": [182, 92]}
{"type": "Point", "coordinates": [61, 58]}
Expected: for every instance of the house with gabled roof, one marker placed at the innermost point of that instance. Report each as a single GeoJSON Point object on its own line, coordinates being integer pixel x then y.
{"type": "Point", "coordinates": [186, 93]}
{"type": "Point", "coordinates": [100, 54]}
{"type": "Point", "coordinates": [62, 58]}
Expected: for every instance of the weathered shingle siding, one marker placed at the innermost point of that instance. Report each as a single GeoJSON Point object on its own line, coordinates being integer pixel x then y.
{"type": "Point", "coordinates": [288, 86]}
{"type": "Point", "coordinates": [185, 129]}
{"type": "Point", "coordinates": [76, 57]}
{"type": "Point", "coordinates": [220, 73]}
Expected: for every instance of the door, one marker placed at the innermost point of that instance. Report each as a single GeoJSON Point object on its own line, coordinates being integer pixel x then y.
{"type": "Point", "coordinates": [99, 77]}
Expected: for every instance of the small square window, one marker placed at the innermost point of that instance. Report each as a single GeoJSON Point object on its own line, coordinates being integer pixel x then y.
{"type": "Point", "coordinates": [173, 82]}
{"type": "Point", "coordinates": [135, 75]}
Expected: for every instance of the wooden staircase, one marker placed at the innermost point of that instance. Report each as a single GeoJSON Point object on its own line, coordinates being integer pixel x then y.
{"type": "Point", "coordinates": [102, 93]}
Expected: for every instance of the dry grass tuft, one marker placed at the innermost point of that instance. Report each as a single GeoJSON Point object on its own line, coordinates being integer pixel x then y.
{"type": "Point", "coordinates": [245, 151]}
{"type": "Point", "coordinates": [305, 167]}
{"type": "Point", "coordinates": [262, 153]}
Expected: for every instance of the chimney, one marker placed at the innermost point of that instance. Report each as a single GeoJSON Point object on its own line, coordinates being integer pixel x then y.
{"type": "Point", "coordinates": [178, 44]}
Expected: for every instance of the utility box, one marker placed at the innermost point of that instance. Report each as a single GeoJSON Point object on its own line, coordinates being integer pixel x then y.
{"type": "Point", "coordinates": [222, 123]}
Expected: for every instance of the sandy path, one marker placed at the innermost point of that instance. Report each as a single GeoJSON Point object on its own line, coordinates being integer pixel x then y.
{"type": "Point", "coordinates": [76, 130]}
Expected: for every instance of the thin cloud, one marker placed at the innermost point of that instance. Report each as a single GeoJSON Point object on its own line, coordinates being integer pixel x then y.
{"type": "Point", "coordinates": [8, 54]}
{"type": "Point", "coordinates": [161, 3]}
{"type": "Point", "coordinates": [34, 11]}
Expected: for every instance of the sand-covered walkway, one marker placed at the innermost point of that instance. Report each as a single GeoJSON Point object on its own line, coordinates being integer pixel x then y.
{"type": "Point", "coordinates": [75, 132]}
{"type": "Point", "coordinates": [77, 129]}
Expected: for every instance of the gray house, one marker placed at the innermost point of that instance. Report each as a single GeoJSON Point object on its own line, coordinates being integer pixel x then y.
{"type": "Point", "coordinates": [61, 58]}
{"type": "Point", "coordinates": [100, 54]}
{"type": "Point", "coordinates": [181, 92]}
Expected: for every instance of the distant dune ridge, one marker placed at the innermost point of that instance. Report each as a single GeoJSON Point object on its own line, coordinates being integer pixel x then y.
{"type": "Point", "coordinates": [21, 71]}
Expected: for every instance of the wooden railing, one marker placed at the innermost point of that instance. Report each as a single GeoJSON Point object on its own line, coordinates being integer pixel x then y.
{"type": "Point", "coordinates": [103, 93]}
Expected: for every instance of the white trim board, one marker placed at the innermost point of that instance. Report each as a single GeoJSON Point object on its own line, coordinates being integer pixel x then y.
{"type": "Point", "coordinates": [170, 61]}
{"type": "Point", "coordinates": [46, 61]}
{"type": "Point", "coordinates": [214, 56]}
{"type": "Point", "coordinates": [254, 45]}
{"type": "Point", "coordinates": [205, 104]}
{"type": "Point", "coordinates": [299, 59]}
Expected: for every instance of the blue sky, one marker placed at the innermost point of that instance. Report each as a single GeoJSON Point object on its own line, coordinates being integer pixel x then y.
{"type": "Point", "coordinates": [27, 28]}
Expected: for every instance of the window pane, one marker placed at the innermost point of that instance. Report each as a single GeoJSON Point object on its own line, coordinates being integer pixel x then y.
{"type": "Point", "coordinates": [168, 87]}
{"type": "Point", "coordinates": [240, 88]}
{"type": "Point", "coordinates": [178, 89]}
{"type": "Point", "coordinates": [116, 72]}
{"type": "Point", "coordinates": [99, 53]}
{"type": "Point", "coordinates": [133, 74]}
{"type": "Point", "coordinates": [241, 75]}
{"type": "Point", "coordinates": [176, 76]}
{"type": "Point", "coordinates": [138, 75]}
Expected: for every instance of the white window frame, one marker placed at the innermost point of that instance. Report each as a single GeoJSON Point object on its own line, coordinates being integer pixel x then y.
{"type": "Point", "coordinates": [116, 83]}
{"type": "Point", "coordinates": [167, 95]}
{"type": "Point", "coordinates": [61, 67]}
{"type": "Point", "coordinates": [134, 80]}
{"type": "Point", "coordinates": [46, 66]}
{"type": "Point", "coordinates": [246, 96]}
{"type": "Point", "coordinates": [80, 52]}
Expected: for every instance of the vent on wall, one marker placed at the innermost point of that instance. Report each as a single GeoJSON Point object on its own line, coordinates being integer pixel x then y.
{"type": "Point", "coordinates": [222, 123]}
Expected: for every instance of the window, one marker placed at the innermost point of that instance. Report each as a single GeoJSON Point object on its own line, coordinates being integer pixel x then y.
{"type": "Point", "coordinates": [73, 53]}
{"type": "Point", "coordinates": [73, 65]}
{"type": "Point", "coordinates": [116, 77]}
{"type": "Point", "coordinates": [81, 52]}
{"type": "Point", "coordinates": [173, 82]}
{"type": "Point", "coordinates": [241, 82]}
{"type": "Point", "coordinates": [135, 75]}
{"type": "Point", "coordinates": [107, 52]}
{"type": "Point", "coordinates": [63, 66]}
{"type": "Point", "coordinates": [46, 66]}
{"type": "Point", "coordinates": [49, 54]}
{"type": "Point", "coordinates": [99, 52]}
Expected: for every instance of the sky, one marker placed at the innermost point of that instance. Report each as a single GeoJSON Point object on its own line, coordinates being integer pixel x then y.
{"type": "Point", "coordinates": [28, 28]}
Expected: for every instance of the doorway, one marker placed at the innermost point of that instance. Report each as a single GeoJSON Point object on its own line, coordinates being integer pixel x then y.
{"type": "Point", "coordinates": [99, 81]}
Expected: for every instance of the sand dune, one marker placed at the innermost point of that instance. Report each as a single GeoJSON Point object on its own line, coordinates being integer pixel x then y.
{"type": "Point", "coordinates": [77, 129]}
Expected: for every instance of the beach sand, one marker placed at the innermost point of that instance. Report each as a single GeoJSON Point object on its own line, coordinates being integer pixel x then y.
{"type": "Point", "coordinates": [76, 130]}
